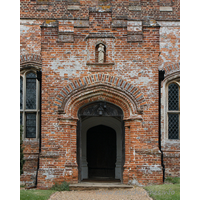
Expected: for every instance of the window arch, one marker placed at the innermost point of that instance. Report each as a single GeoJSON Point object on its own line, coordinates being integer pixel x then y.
{"type": "Point", "coordinates": [30, 103]}
{"type": "Point", "coordinates": [173, 110]}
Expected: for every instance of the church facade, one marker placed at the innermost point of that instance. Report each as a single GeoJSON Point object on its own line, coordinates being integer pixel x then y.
{"type": "Point", "coordinates": [100, 91]}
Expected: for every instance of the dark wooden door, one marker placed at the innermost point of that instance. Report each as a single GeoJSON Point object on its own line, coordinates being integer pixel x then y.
{"type": "Point", "coordinates": [101, 152]}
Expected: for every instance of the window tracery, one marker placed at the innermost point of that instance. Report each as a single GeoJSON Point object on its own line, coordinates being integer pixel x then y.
{"type": "Point", "coordinates": [29, 103]}
{"type": "Point", "coordinates": [173, 110]}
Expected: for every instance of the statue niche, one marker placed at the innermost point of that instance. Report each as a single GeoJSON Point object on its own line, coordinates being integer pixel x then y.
{"type": "Point", "coordinates": [100, 52]}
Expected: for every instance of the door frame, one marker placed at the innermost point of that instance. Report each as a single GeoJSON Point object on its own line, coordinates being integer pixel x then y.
{"type": "Point", "coordinates": [99, 109]}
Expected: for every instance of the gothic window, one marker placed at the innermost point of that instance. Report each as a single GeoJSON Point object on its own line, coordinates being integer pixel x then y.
{"type": "Point", "coordinates": [29, 104]}
{"type": "Point", "coordinates": [173, 111]}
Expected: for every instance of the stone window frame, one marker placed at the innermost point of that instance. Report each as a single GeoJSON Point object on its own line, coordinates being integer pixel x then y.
{"type": "Point", "coordinates": [24, 111]}
{"type": "Point", "coordinates": [177, 82]}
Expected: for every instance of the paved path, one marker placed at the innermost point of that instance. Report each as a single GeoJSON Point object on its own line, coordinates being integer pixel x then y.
{"type": "Point", "coordinates": [135, 193]}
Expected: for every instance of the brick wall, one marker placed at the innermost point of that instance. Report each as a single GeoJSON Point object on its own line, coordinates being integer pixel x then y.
{"type": "Point", "coordinates": [31, 151]}
{"type": "Point", "coordinates": [65, 34]}
{"type": "Point", "coordinates": [169, 61]}
{"type": "Point", "coordinates": [30, 37]}
{"type": "Point", "coordinates": [137, 10]}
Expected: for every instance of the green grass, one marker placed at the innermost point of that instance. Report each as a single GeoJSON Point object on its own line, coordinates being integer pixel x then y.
{"type": "Point", "coordinates": [64, 186]}
{"type": "Point", "coordinates": [35, 194]}
{"type": "Point", "coordinates": [168, 191]}
{"type": "Point", "coordinates": [174, 180]}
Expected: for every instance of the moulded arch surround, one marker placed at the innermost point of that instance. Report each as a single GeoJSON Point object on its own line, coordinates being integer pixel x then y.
{"type": "Point", "coordinates": [100, 87]}
{"type": "Point", "coordinates": [30, 61]}
{"type": "Point", "coordinates": [171, 69]}
{"type": "Point", "coordinates": [99, 92]}
{"type": "Point", "coordinates": [30, 71]}
{"type": "Point", "coordinates": [29, 68]}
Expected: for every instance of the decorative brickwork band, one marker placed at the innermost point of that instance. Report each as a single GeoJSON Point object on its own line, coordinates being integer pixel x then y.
{"type": "Point", "coordinates": [30, 59]}
{"type": "Point", "coordinates": [100, 87]}
{"type": "Point", "coordinates": [171, 68]}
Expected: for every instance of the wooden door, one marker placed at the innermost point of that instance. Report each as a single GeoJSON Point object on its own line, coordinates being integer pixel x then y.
{"type": "Point", "coordinates": [101, 152]}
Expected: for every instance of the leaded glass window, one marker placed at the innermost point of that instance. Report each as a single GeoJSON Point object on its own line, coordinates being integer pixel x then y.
{"type": "Point", "coordinates": [173, 97]}
{"type": "Point", "coordinates": [173, 126]}
{"type": "Point", "coordinates": [30, 125]}
{"type": "Point", "coordinates": [173, 110]}
{"type": "Point", "coordinates": [31, 91]}
{"type": "Point", "coordinates": [29, 104]}
{"type": "Point", "coordinates": [21, 92]}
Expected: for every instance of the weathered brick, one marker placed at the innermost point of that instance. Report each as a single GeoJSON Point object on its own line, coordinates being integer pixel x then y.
{"type": "Point", "coordinates": [60, 38]}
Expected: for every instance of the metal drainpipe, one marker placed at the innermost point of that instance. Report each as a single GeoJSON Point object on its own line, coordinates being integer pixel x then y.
{"type": "Point", "coordinates": [161, 78]}
{"type": "Point", "coordinates": [39, 77]}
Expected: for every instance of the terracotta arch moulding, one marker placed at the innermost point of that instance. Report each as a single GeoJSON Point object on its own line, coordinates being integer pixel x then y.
{"type": "Point", "coordinates": [171, 68]}
{"type": "Point", "coordinates": [100, 87]}
{"type": "Point", "coordinates": [30, 60]}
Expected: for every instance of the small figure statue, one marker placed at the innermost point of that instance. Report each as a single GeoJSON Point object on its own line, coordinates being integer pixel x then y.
{"type": "Point", "coordinates": [101, 53]}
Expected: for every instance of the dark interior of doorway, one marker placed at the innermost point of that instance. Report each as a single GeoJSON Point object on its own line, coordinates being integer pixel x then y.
{"type": "Point", "coordinates": [101, 153]}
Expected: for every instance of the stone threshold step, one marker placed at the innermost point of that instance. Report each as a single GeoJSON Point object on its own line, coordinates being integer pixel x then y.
{"type": "Point", "coordinates": [97, 186]}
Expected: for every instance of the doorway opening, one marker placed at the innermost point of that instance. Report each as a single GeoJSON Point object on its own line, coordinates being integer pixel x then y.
{"type": "Point", "coordinates": [100, 142]}
{"type": "Point", "coordinates": [101, 152]}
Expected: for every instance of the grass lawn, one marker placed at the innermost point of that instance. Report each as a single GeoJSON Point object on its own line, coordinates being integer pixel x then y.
{"type": "Point", "coordinates": [35, 194]}
{"type": "Point", "coordinates": [168, 191]}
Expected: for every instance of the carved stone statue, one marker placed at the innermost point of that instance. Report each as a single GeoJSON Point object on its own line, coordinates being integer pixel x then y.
{"type": "Point", "coordinates": [101, 53]}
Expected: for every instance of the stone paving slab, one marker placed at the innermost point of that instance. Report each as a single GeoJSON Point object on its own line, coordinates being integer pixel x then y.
{"type": "Point", "coordinates": [135, 193]}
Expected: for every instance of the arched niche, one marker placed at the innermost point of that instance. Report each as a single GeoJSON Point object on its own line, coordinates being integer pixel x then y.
{"type": "Point", "coordinates": [97, 47]}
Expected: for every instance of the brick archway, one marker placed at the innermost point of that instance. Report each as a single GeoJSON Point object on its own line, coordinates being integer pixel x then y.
{"type": "Point", "coordinates": [100, 87]}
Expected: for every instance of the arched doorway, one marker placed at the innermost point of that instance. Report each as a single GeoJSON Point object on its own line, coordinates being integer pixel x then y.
{"type": "Point", "coordinates": [100, 123]}
{"type": "Point", "coordinates": [101, 152]}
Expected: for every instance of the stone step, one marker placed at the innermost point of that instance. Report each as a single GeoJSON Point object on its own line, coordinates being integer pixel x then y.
{"type": "Point", "coordinates": [97, 186]}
